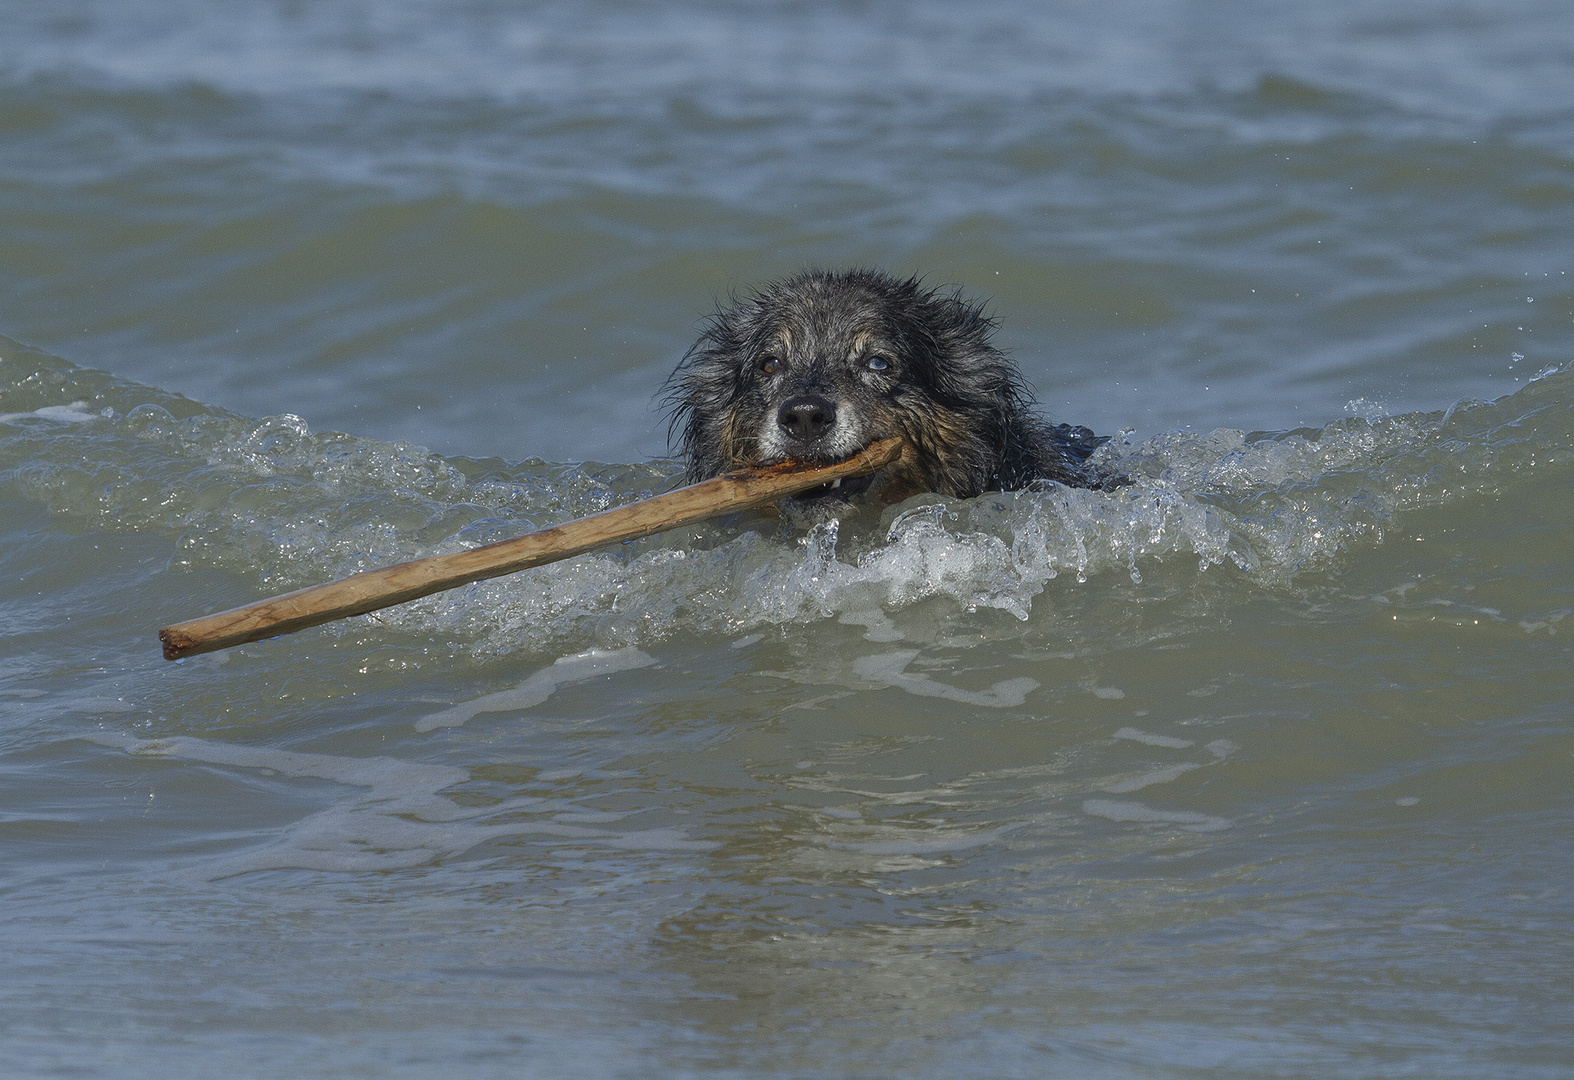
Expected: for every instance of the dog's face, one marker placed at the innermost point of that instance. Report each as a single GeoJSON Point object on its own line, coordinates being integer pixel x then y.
{"type": "Point", "coordinates": [818, 385]}
{"type": "Point", "coordinates": [815, 368]}
{"type": "Point", "coordinates": [819, 381]}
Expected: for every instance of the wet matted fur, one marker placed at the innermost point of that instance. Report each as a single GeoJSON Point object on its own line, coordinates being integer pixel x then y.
{"type": "Point", "coordinates": [817, 366]}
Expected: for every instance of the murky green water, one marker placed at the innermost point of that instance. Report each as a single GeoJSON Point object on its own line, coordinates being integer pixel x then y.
{"type": "Point", "coordinates": [1259, 766]}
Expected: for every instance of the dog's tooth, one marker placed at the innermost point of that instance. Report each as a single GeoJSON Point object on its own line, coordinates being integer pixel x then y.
{"type": "Point", "coordinates": [835, 484]}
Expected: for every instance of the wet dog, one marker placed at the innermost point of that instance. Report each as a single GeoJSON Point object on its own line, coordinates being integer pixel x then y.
{"type": "Point", "coordinates": [816, 367]}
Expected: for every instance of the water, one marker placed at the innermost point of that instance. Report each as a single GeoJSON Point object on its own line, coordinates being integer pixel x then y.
{"type": "Point", "coordinates": [1258, 766]}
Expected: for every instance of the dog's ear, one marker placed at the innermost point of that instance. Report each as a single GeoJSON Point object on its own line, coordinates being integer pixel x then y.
{"type": "Point", "coordinates": [965, 367]}
{"type": "Point", "coordinates": [702, 390]}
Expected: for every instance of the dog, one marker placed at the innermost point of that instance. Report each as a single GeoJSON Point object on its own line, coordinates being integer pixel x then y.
{"type": "Point", "coordinates": [815, 367]}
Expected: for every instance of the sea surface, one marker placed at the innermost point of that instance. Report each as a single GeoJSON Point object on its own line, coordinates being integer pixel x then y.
{"type": "Point", "coordinates": [1259, 766]}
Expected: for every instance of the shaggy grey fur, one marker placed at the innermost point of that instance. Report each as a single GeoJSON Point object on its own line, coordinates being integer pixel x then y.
{"type": "Point", "coordinates": [815, 367]}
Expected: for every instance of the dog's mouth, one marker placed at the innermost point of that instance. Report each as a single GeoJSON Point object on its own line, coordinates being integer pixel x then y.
{"type": "Point", "coordinates": [845, 488]}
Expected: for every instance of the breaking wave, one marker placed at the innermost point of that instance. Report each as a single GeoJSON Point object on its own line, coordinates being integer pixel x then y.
{"type": "Point", "coordinates": [285, 507]}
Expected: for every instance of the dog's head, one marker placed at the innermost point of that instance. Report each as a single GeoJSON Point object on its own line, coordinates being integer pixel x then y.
{"type": "Point", "coordinates": [816, 367]}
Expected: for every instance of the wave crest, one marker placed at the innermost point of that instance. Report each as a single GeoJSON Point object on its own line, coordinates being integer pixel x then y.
{"type": "Point", "coordinates": [272, 500]}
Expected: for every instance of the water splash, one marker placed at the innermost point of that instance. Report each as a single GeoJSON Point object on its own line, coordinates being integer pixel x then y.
{"type": "Point", "coordinates": [276, 502]}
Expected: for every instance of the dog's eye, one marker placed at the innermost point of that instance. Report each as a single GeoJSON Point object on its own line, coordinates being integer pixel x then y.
{"type": "Point", "coordinates": [877, 363]}
{"type": "Point", "coordinates": [770, 365]}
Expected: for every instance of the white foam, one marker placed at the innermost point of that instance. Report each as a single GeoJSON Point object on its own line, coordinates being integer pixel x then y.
{"type": "Point", "coordinates": [1219, 748]}
{"type": "Point", "coordinates": [1148, 779]}
{"type": "Point", "coordinates": [1128, 811]}
{"type": "Point", "coordinates": [1153, 740]}
{"type": "Point", "coordinates": [540, 686]}
{"type": "Point", "coordinates": [890, 669]}
{"type": "Point", "coordinates": [74, 413]}
{"type": "Point", "coordinates": [877, 624]}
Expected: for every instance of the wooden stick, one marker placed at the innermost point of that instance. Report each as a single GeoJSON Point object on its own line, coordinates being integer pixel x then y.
{"type": "Point", "coordinates": [373, 589]}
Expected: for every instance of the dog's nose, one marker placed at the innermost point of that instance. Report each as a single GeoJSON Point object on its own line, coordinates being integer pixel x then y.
{"type": "Point", "coordinates": [806, 418]}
